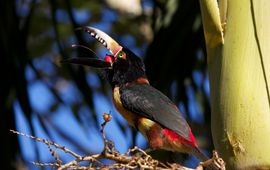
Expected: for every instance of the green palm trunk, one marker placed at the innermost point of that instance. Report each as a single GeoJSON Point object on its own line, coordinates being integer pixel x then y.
{"type": "Point", "coordinates": [237, 37]}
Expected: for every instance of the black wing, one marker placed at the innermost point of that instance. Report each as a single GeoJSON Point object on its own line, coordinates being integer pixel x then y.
{"type": "Point", "coordinates": [148, 102]}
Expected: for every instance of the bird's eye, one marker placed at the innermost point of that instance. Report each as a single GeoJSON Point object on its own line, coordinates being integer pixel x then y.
{"type": "Point", "coordinates": [122, 55]}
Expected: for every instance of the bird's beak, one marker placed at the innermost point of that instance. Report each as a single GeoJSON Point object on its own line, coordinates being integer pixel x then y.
{"type": "Point", "coordinates": [107, 41]}
{"type": "Point", "coordinates": [92, 62]}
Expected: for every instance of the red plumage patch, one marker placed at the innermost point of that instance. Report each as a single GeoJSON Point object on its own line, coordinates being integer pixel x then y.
{"type": "Point", "coordinates": [176, 137]}
{"type": "Point", "coordinates": [140, 80]}
{"type": "Point", "coordinates": [109, 58]}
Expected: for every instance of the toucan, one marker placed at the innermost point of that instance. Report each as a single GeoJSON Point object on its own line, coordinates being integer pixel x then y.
{"type": "Point", "coordinates": [143, 106]}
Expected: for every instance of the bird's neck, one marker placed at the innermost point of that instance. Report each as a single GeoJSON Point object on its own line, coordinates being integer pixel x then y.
{"type": "Point", "coordinates": [123, 79]}
{"type": "Point", "coordinates": [140, 80]}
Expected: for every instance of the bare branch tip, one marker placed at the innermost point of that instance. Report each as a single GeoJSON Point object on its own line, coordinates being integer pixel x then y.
{"type": "Point", "coordinates": [107, 117]}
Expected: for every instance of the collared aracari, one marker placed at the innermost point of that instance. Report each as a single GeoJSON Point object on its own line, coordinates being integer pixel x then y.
{"type": "Point", "coordinates": [143, 106]}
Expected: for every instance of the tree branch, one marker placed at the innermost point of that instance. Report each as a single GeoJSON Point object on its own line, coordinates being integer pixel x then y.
{"type": "Point", "coordinates": [134, 158]}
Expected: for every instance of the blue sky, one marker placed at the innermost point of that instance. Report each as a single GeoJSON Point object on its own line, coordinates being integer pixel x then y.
{"type": "Point", "coordinates": [63, 120]}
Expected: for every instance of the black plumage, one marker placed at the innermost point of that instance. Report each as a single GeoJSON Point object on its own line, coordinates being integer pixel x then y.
{"type": "Point", "coordinates": [146, 101]}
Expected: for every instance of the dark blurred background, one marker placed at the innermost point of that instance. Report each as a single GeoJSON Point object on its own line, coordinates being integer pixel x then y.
{"type": "Point", "coordinates": [65, 103]}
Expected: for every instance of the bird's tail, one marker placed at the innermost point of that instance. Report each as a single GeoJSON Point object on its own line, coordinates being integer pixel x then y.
{"type": "Point", "coordinates": [199, 154]}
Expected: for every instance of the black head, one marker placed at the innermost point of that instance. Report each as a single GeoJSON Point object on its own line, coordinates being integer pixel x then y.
{"type": "Point", "coordinates": [126, 68]}
{"type": "Point", "coordinates": [121, 67]}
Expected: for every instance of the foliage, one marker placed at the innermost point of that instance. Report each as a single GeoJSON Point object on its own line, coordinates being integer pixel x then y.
{"type": "Point", "coordinates": [35, 35]}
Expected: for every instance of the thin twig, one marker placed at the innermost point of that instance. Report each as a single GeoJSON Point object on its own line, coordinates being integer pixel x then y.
{"type": "Point", "coordinates": [63, 148]}
{"type": "Point", "coordinates": [134, 158]}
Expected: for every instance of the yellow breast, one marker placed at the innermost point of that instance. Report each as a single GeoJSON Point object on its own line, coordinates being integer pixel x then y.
{"type": "Point", "coordinates": [144, 126]}
{"type": "Point", "coordinates": [129, 116]}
